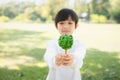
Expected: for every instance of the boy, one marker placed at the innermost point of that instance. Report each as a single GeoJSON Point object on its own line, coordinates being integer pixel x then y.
{"type": "Point", "coordinates": [62, 67]}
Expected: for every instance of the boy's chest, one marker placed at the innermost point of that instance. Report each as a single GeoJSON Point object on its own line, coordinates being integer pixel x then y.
{"type": "Point", "coordinates": [60, 50]}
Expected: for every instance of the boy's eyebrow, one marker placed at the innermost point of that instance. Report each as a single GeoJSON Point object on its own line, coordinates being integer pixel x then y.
{"type": "Point", "coordinates": [67, 20]}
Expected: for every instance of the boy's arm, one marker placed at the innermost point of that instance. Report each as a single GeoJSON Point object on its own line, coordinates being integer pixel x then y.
{"type": "Point", "coordinates": [50, 54]}
{"type": "Point", "coordinates": [79, 56]}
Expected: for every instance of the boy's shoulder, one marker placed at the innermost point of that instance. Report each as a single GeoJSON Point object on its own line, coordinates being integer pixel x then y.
{"type": "Point", "coordinates": [78, 42]}
{"type": "Point", "coordinates": [52, 41]}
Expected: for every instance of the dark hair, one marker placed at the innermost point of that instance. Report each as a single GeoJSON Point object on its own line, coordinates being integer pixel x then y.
{"type": "Point", "coordinates": [63, 14]}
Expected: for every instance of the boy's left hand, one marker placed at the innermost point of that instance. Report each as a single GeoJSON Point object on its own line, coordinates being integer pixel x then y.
{"type": "Point", "coordinates": [68, 60]}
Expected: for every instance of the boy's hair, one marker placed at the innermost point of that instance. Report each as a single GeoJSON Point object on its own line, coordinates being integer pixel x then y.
{"type": "Point", "coordinates": [64, 14]}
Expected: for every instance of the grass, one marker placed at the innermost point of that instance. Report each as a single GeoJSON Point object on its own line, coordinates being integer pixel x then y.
{"type": "Point", "coordinates": [101, 65]}
{"type": "Point", "coordinates": [21, 54]}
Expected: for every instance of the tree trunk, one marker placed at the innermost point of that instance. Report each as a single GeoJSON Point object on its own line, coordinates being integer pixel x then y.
{"type": "Point", "coordinates": [66, 52]}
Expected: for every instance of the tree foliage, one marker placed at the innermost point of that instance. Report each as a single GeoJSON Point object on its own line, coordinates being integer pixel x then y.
{"type": "Point", "coordinates": [115, 10]}
{"type": "Point", "coordinates": [100, 7]}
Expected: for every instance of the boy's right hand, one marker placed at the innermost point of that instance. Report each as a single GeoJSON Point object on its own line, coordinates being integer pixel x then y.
{"type": "Point", "coordinates": [59, 59]}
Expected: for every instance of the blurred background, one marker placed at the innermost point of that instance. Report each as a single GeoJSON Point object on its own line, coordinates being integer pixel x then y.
{"type": "Point", "coordinates": [93, 11]}
{"type": "Point", "coordinates": [27, 25]}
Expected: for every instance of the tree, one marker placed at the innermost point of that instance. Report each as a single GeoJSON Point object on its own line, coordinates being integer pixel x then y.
{"type": "Point", "coordinates": [101, 7]}
{"type": "Point", "coordinates": [9, 10]}
{"type": "Point", "coordinates": [55, 6]}
{"type": "Point", "coordinates": [115, 10]}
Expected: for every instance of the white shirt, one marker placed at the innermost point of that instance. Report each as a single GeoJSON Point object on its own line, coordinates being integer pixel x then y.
{"type": "Point", "coordinates": [78, 50]}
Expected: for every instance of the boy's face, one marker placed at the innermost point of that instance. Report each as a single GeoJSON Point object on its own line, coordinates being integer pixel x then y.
{"type": "Point", "coordinates": [67, 26]}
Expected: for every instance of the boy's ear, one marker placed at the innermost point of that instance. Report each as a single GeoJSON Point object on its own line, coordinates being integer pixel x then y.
{"type": "Point", "coordinates": [76, 26]}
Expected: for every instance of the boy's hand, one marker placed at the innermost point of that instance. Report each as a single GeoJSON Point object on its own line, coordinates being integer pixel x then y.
{"type": "Point", "coordinates": [68, 60]}
{"type": "Point", "coordinates": [59, 59]}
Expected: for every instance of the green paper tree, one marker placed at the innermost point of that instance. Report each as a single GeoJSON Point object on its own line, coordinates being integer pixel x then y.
{"type": "Point", "coordinates": [65, 42]}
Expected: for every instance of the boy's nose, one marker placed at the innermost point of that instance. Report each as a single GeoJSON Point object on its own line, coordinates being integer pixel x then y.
{"type": "Point", "coordinates": [66, 26]}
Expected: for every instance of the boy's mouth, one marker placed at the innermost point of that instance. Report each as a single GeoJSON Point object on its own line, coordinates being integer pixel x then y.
{"type": "Point", "coordinates": [65, 31]}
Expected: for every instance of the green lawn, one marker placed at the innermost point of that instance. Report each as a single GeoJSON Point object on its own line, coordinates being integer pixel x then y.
{"type": "Point", "coordinates": [21, 54]}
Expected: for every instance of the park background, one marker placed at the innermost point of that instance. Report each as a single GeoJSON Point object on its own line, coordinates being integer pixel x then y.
{"type": "Point", "coordinates": [27, 25]}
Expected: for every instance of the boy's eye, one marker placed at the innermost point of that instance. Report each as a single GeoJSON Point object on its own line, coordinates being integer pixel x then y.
{"type": "Point", "coordinates": [61, 23]}
{"type": "Point", "coordinates": [70, 23]}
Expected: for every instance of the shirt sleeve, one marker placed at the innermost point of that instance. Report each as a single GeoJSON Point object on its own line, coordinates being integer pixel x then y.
{"type": "Point", "coordinates": [79, 55]}
{"type": "Point", "coordinates": [49, 55]}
